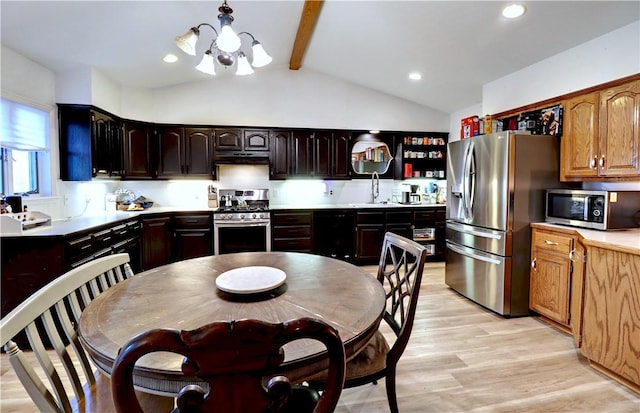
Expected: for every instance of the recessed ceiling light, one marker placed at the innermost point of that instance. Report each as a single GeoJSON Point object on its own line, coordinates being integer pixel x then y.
{"type": "Point", "coordinates": [513, 11]}
{"type": "Point", "coordinates": [415, 76]}
{"type": "Point", "coordinates": [170, 58]}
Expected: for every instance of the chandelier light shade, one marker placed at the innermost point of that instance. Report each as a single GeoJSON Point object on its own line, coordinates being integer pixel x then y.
{"type": "Point", "coordinates": [225, 48]}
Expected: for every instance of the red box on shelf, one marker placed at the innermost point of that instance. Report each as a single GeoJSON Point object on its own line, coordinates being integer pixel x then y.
{"type": "Point", "coordinates": [408, 170]}
{"type": "Point", "coordinates": [470, 127]}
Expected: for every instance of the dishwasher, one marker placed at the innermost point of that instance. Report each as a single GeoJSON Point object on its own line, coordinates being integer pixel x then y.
{"type": "Point", "coordinates": [334, 234]}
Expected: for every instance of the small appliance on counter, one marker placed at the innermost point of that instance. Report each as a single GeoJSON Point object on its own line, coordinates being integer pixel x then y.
{"type": "Point", "coordinates": [212, 197]}
{"type": "Point", "coordinates": [16, 223]}
{"type": "Point", "coordinates": [593, 209]}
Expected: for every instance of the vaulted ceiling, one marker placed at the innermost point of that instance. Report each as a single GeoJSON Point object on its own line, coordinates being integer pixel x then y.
{"type": "Point", "coordinates": [456, 46]}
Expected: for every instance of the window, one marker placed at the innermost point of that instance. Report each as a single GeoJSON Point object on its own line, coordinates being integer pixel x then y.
{"type": "Point", "coordinates": [24, 149]}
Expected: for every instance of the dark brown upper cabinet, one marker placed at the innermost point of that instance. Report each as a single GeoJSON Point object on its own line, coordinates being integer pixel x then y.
{"type": "Point", "coordinates": [139, 162]}
{"type": "Point", "coordinates": [238, 145]}
{"type": "Point", "coordinates": [90, 143]}
{"type": "Point", "coordinates": [184, 152]}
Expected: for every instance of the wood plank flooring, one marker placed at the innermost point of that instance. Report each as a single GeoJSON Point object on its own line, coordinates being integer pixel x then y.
{"type": "Point", "coordinates": [463, 358]}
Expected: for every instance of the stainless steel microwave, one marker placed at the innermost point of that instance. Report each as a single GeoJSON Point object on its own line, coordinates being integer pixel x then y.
{"type": "Point", "coordinates": [593, 209]}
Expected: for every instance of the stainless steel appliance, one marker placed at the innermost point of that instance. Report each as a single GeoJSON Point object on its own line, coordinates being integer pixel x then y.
{"type": "Point", "coordinates": [495, 188]}
{"type": "Point", "coordinates": [593, 209]}
{"type": "Point", "coordinates": [242, 222]}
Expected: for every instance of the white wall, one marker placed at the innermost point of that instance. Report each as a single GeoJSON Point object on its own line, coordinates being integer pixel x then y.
{"type": "Point", "coordinates": [608, 57]}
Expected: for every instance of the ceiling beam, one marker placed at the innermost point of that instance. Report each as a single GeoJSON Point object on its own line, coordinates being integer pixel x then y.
{"type": "Point", "coordinates": [308, 20]}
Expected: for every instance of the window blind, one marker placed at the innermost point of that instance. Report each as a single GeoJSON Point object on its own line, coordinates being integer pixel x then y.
{"type": "Point", "coordinates": [24, 128]}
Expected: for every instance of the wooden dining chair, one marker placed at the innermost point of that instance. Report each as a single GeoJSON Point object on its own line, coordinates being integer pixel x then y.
{"type": "Point", "coordinates": [400, 273]}
{"type": "Point", "coordinates": [238, 362]}
{"type": "Point", "coordinates": [49, 318]}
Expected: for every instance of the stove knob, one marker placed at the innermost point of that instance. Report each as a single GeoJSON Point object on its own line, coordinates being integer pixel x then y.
{"type": "Point", "coordinates": [241, 216]}
{"type": "Point", "coordinates": [229, 216]}
{"type": "Point", "coordinates": [254, 216]}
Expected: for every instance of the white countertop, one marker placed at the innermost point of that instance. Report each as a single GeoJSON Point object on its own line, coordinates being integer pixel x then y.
{"type": "Point", "coordinates": [72, 225]}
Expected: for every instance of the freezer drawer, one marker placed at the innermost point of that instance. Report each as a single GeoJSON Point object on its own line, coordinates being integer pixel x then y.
{"type": "Point", "coordinates": [479, 276]}
{"type": "Point", "coordinates": [483, 239]}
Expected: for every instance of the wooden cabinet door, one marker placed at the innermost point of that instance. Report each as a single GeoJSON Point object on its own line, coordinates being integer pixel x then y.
{"type": "Point", "coordinates": [170, 151]}
{"type": "Point", "coordinates": [579, 143]}
{"type": "Point", "coordinates": [193, 243]}
{"type": "Point", "coordinates": [369, 240]}
{"type": "Point", "coordinates": [279, 157]}
{"type": "Point", "coordinates": [301, 154]}
{"type": "Point", "coordinates": [137, 143]}
{"type": "Point", "coordinates": [156, 242]}
{"type": "Point", "coordinates": [620, 131]}
{"type": "Point", "coordinates": [611, 318]}
{"type": "Point", "coordinates": [322, 155]}
{"type": "Point", "coordinates": [549, 285]}
{"type": "Point", "coordinates": [341, 155]}
{"type": "Point", "coordinates": [106, 145]}
{"type": "Point", "coordinates": [198, 157]}
{"type": "Point", "coordinates": [256, 140]}
{"type": "Point", "coordinates": [228, 139]}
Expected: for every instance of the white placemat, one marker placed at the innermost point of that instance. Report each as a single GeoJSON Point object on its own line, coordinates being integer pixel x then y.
{"type": "Point", "coordinates": [250, 280]}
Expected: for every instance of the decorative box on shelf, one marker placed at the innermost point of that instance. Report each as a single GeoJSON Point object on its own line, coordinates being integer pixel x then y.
{"type": "Point", "coordinates": [15, 224]}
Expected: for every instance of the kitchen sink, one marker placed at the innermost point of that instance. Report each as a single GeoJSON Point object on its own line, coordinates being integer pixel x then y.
{"type": "Point", "coordinates": [376, 205]}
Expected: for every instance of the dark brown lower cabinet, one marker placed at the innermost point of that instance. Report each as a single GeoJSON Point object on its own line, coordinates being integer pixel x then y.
{"type": "Point", "coordinates": [370, 229]}
{"type": "Point", "coordinates": [193, 236]}
{"type": "Point", "coordinates": [156, 241]}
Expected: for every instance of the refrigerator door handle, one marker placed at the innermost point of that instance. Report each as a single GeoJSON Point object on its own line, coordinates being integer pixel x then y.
{"type": "Point", "coordinates": [477, 232]}
{"type": "Point", "coordinates": [468, 181]}
{"type": "Point", "coordinates": [479, 257]}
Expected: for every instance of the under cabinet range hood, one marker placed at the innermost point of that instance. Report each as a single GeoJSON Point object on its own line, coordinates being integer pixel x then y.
{"type": "Point", "coordinates": [242, 158]}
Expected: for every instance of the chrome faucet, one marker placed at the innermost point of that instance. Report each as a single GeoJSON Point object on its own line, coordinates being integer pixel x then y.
{"type": "Point", "coordinates": [375, 186]}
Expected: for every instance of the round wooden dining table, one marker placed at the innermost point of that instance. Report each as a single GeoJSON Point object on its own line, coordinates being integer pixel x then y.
{"type": "Point", "coordinates": [184, 296]}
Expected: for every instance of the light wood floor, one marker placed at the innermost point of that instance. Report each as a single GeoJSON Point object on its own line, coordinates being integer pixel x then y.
{"type": "Point", "coordinates": [463, 358]}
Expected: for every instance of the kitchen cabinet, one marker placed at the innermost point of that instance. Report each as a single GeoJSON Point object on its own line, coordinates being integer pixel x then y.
{"type": "Point", "coordinates": [601, 137]}
{"type": "Point", "coordinates": [185, 152]}
{"type": "Point", "coordinates": [90, 143]}
{"type": "Point", "coordinates": [292, 231]}
{"type": "Point", "coordinates": [370, 230]}
{"type": "Point", "coordinates": [550, 275]}
{"type": "Point", "coordinates": [611, 319]}
{"type": "Point", "coordinates": [310, 153]}
{"type": "Point", "coordinates": [193, 235]}
{"type": "Point", "coordinates": [279, 157]}
{"type": "Point", "coordinates": [238, 145]}
{"type": "Point", "coordinates": [423, 156]}
{"type": "Point", "coordinates": [139, 162]}
{"type": "Point", "coordinates": [156, 241]}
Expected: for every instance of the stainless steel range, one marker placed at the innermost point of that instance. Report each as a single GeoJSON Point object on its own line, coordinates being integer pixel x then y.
{"type": "Point", "coordinates": [242, 222]}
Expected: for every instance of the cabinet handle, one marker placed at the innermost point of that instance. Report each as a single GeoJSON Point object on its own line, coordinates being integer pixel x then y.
{"type": "Point", "coordinates": [601, 161]}
{"type": "Point", "coordinates": [550, 242]}
{"type": "Point", "coordinates": [533, 264]}
{"type": "Point", "coordinates": [593, 162]}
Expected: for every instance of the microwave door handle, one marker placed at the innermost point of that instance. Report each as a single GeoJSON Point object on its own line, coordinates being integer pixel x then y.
{"type": "Point", "coordinates": [585, 212]}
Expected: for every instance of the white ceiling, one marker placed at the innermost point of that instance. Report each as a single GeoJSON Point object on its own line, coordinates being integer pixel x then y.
{"type": "Point", "coordinates": [457, 46]}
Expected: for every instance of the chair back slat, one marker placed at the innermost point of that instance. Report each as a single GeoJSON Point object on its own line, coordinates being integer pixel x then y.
{"type": "Point", "coordinates": [39, 393]}
{"type": "Point", "coordinates": [400, 272]}
{"type": "Point", "coordinates": [50, 318]}
{"type": "Point", "coordinates": [37, 346]}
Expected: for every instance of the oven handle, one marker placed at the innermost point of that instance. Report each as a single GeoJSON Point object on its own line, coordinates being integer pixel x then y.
{"type": "Point", "coordinates": [227, 224]}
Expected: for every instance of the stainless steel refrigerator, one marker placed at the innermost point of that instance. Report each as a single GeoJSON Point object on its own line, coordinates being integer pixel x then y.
{"type": "Point", "coordinates": [495, 188]}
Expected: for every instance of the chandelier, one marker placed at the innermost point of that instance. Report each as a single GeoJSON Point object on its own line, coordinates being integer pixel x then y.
{"type": "Point", "coordinates": [225, 47]}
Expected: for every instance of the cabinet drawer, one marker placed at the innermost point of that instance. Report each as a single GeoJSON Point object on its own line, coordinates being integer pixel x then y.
{"type": "Point", "coordinates": [298, 231]}
{"type": "Point", "coordinates": [370, 218]}
{"type": "Point", "coordinates": [292, 218]}
{"type": "Point", "coordinates": [103, 239]}
{"type": "Point", "coordinates": [302, 244]}
{"type": "Point", "coordinates": [399, 216]}
{"type": "Point", "coordinates": [554, 242]}
{"type": "Point", "coordinates": [193, 221]}
{"type": "Point", "coordinates": [80, 248]}
{"type": "Point", "coordinates": [120, 232]}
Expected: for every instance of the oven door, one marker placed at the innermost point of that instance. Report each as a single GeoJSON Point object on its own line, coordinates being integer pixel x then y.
{"type": "Point", "coordinates": [230, 237]}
